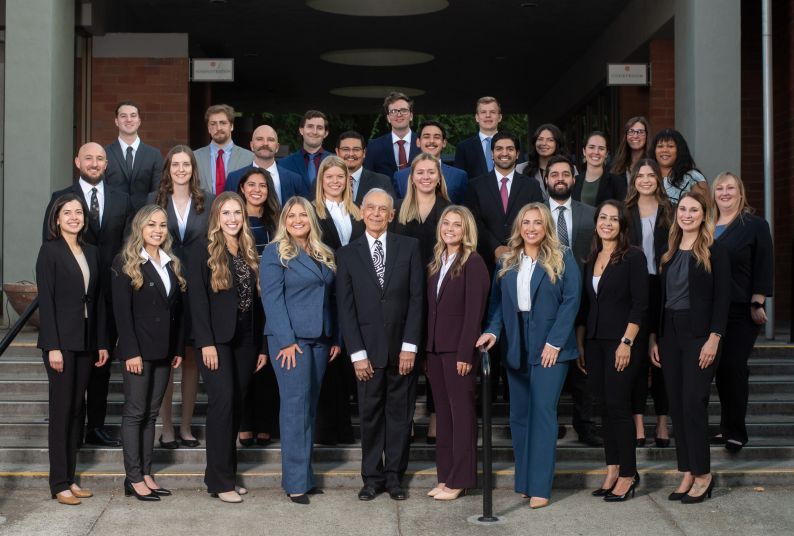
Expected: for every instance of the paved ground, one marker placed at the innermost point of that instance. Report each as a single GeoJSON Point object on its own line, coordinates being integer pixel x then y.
{"type": "Point", "coordinates": [742, 511]}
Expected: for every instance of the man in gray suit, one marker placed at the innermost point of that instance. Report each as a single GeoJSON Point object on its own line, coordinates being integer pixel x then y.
{"type": "Point", "coordinates": [221, 156]}
{"type": "Point", "coordinates": [575, 223]}
{"type": "Point", "coordinates": [133, 167]}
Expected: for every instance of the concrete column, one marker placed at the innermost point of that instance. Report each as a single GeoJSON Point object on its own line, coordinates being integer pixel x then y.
{"type": "Point", "coordinates": [39, 117]}
{"type": "Point", "coordinates": [708, 82]}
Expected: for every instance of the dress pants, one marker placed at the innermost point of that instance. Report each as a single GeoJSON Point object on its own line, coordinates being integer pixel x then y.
{"type": "Point", "coordinates": [225, 395]}
{"type": "Point", "coordinates": [97, 393]}
{"type": "Point", "coordinates": [299, 388]}
{"type": "Point", "coordinates": [143, 394]}
{"type": "Point", "coordinates": [688, 388]}
{"type": "Point", "coordinates": [583, 403]}
{"type": "Point", "coordinates": [733, 374]}
{"type": "Point", "coordinates": [614, 389]}
{"type": "Point", "coordinates": [386, 405]}
{"type": "Point", "coordinates": [456, 440]}
{"type": "Point", "coordinates": [334, 423]}
{"type": "Point", "coordinates": [66, 391]}
{"type": "Point", "coordinates": [639, 395]}
{"type": "Point", "coordinates": [260, 410]}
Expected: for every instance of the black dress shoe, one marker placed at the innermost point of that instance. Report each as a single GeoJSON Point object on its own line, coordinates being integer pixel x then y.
{"type": "Point", "coordinates": [189, 442]}
{"type": "Point", "coordinates": [299, 499]}
{"type": "Point", "coordinates": [263, 441]}
{"type": "Point", "coordinates": [561, 432]}
{"type": "Point", "coordinates": [162, 492]}
{"type": "Point", "coordinates": [101, 437]}
{"type": "Point", "coordinates": [591, 440]}
{"type": "Point", "coordinates": [640, 442]}
{"type": "Point", "coordinates": [662, 442]}
{"type": "Point", "coordinates": [170, 445]}
{"type": "Point", "coordinates": [129, 490]}
{"type": "Point", "coordinates": [397, 493]}
{"type": "Point", "coordinates": [731, 445]}
{"type": "Point", "coordinates": [246, 441]}
{"type": "Point", "coordinates": [368, 493]}
{"type": "Point", "coordinates": [718, 439]}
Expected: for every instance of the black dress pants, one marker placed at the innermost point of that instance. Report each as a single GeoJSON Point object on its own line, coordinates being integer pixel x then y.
{"type": "Point", "coordinates": [143, 394]}
{"type": "Point", "coordinates": [97, 394]}
{"type": "Point", "coordinates": [639, 396]}
{"type": "Point", "coordinates": [226, 388]}
{"type": "Point", "coordinates": [582, 418]}
{"type": "Point", "coordinates": [260, 411]}
{"type": "Point", "coordinates": [688, 388]}
{"type": "Point", "coordinates": [733, 374]}
{"type": "Point", "coordinates": [613, 389]}
{"type": "Point", "coordinates": [334, 423]}
{"type": "Point", "coordinates": [67, 392]}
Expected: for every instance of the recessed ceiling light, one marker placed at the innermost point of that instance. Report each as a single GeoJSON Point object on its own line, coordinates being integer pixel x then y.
{"type": "Point", "coordinates": [378, 8]}
{"type": "Point", "coordinates": [376, 57]}
{"type": "Point", "coordinates": [374, 92]}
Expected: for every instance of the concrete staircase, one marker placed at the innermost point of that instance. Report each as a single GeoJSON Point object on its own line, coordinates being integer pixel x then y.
{"type": "Point", "coordinates": [767, 460]}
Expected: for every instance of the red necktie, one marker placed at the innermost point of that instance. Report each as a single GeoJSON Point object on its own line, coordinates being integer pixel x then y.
{"type": "Point", "coordinates": [402, 161]}
{"type": "Point", "coordinates": [503, 193]}
{"type": "Point", "coordinates": [220, 174]}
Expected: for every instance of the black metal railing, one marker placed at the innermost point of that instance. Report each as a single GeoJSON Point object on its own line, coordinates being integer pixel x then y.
{"type": "Point", "coordinates": [487, 447]}
{"type": "Point", "coordinates": [18, 325]}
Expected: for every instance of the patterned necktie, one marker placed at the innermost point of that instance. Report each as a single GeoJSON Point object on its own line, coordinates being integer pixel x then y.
{"type": "Point", "coordinates": [503, 193]}
{"type": "Point", "coordinates": [220, 173]}
{"type": "Point", "coordinates": [562, 227]}
{"type": "Point", "coordinates": [486, 148]}
{"type": "Point", "coordinates": [93, 211]}
{"type": "Point", "coordinates": [129, 160]}
{"type": "Point", "coordinates": [311, 169]}
{"type": "Point", "coordinates": [402, 160]}
{"type": "Point", "coordinates": [379, 261]}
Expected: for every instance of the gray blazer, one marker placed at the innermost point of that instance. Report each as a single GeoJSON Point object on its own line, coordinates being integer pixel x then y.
{"type": "Point", "coordinates": [239, 159]}
{"type": "Point", "coordinates": [583, 220]}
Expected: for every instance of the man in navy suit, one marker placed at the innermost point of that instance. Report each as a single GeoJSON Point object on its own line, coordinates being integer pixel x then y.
{"type": "Point", "coordinates": [473, 155]}
{"type": "Point", "coordinates": [133, 166]}
{"type": "Point", "coordinates": [397, 149]}
{"type": "Point", "coordinates": [264, 144]}
{"type": "Point", "coordinates": [432, 140]}
{"type": "Point", "coordinates": [306, 160]}
{"type": "Point", "coordinates": [351, 147]}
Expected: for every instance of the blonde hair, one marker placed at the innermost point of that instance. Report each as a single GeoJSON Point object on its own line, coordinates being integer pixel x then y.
{"type": "Point", "coordinates": [131, 260]}
{"type": "Point", "coordinates": [744, 207]}
{"type": "Point", "coordinates": [700, 249]}
{"type": "Point", "coordinates": [551, 250]}
{"type": "Point", "coordinates": [347, 193]}
{"type": "Point", "coordinates": [221, 276]}
{"type": "Point", "coordinates": [409, 210]}
{"type": "Point", "coordinates": [288, 247]}
{"type": "Point", "coordinates": [468, 244]}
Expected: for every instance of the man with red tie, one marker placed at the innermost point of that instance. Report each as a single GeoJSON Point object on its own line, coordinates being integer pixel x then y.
{"type": "Point", "coordinates": [395, 150]}
{"type": "Point", "coordinates": [221, 156]}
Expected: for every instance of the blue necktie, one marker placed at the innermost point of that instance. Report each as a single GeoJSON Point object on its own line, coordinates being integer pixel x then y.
{"type": "Point", "coordinates": [486, 147]}
{"type": "Point", "coordinates": [311, 169]}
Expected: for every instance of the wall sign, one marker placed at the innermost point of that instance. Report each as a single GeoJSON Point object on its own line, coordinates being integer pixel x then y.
{"type": "Point", "coordinates": [628, 74]}
{"type": "Point", "coordinates": [212, 70]}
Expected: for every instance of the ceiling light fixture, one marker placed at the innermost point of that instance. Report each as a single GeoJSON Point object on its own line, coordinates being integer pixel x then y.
{"type": "Point", "coordinates": [376, 57]}
{"type": "Point", "coordinates": [374, 92]}
{"type": "Point", "coordinates": [378, 8]}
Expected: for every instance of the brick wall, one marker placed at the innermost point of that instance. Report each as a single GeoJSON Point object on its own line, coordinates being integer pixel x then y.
{"type": "Point", "coordinates": [633, 102]}
{"type": "Point", "coordinates": [661, 97]}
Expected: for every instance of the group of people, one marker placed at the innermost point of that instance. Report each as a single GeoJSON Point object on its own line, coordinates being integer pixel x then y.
{"type": "Point", "coordinates": [366, 266]}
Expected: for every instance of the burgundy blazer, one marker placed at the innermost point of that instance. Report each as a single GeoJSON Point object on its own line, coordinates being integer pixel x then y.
{"type": "Point", "coordinates": [454, 316]}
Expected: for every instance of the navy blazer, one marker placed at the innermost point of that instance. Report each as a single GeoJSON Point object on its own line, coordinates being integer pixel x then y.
{"type": "Point", "coordinates": [470, 157]}
{"type": "Point", "coordinates": [147, 168]}
{"type": "Point", "coordinates": [380, 154]}
{"type": "Point", "coordinates": [456, 179]}
{"type": "Point", "coordinates": [553, 312]}
{"type": "Point", "coordinates": [298, 298]}
{"type": "Point", "coordinates": [297, 164]}
{"type": "Point", "coordinates": [291, 183]}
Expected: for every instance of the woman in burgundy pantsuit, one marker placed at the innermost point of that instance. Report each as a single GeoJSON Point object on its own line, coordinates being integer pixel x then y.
{"type": "Point", "coordinates": [457, 291]}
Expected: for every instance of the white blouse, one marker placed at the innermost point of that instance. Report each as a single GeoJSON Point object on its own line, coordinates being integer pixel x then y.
{"type": "Point", "coordinates": [341, 219]}
{"type": "Point", "coordinates": [445, 264]}
{"type": "Point", "coordinates": [525, 271]}
{"type": "Point", "coordinates": [160, 267]}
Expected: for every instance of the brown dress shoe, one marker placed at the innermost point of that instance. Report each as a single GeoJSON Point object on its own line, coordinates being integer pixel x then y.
{"type": "Point", "coordinates": [71, 500]}
{"type": "Point", "coordinates": [81, 493]}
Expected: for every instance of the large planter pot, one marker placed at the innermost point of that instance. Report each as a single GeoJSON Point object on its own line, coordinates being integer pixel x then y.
{"type": "Point", "coordinates": [20, 294]}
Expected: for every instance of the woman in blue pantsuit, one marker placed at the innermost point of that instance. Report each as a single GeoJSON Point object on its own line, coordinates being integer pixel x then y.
{"type": "Point", "coordinates": [535, 298]}
{"type": "Point", "coordinates": [297, 278]}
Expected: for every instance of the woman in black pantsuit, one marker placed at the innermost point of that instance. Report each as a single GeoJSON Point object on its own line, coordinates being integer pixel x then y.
{"type": "Point", "coordinates": [147, 304]}
{"type": "Point", "coordinates": [695, 283]}
{"type": "Point", "coordinates": [227, 325]}
{"type": "Point", "coordinates": [71, 329]}
{"type": "Point", "coordinates": [749, 244]}
{"type": "Point", "coordinates": [614, 304]}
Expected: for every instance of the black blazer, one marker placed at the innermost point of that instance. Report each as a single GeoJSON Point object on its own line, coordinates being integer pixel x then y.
{"type": "Point", "coordinates": [214, 314]}
{"type": "Point", "coordinates": [470, 157]}
{"type": "Point", "coordinates": [63, 300]}
{"type": "Point", "coordinates": [148, 321]}
{"type": "Point", "coordinates": [660, 232]}
{"type": "Point", "coordinates": [609, 187]}
{"type": "Point", "coordinates": [424, 231]}
{"type": "Point", "coordinates": [368, 181]}
{"type": "Point", "coordinates": [331, 235]}
{"type": "Point", "coordinates": [377, 319]}
{"type": "Point", "coordinates": [622, 297]}
{"type": "Point", "coordinates": [749, 245]}
{"type": "Point", "coordinates": [493, 225]}
{"type": "Point", "coordinates": [195, 228]}
{"type": "Point", "coordinates": [147, 168]}
{"type": "Point", "coordinates": [709, 294]}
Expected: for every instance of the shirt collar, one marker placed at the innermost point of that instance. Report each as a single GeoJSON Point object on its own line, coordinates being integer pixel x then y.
{"type": "Point", "coordinates": [334, 204]}
{"type": "Point", "coordinates": [164, 258]}
{"type": "Point", "coordinates": [306, 153]}
{"type": "Point", "coordinates": [356, 175]}
{"type": "Point", "coordinates": [86, 186]}
{"type": "Point", "coordinates": [371, 240]}
{"type": "Point", "coordinates": [483, 136]}
{"type": "Point", "coordinates": [273, 169]}
{"type": "Point", "coordinates": [524, 257]}
{"type": "Point", "coordinates": [134, 145]}
{"type": "Point", "coordinates": [395, 138]}
{"type": "Point", "coordinates": [554, 205]}
{"type": "Point", "coordinates": [509, 175]}
{"type": "Point", "coordinates": [226, 148]}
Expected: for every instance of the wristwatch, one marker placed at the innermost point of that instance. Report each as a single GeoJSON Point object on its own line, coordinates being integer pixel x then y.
{"type": "Point", "coordinates": [757, 305]}
{"type": "Point", "coordinates": [627, 341]}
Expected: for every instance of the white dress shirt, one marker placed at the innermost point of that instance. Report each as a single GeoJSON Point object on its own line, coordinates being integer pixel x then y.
{"type": "Point", "coordinates": [341, 219]}
{"type": "Point", "coordinates": [406, 347]}
{"type": "Point", "coordinates": [523, 280]}
{"type": "Point", "coordinates": [355, 180]}
{"type": "Point", "coordinates": [273, 170]}
{"type": "Point", "coordinates": [162, 271]}
{"type": "Point", "coordinates": [509, 178]}
{"type": "Point", "coordinates": [134, 146]}
{"type": "Point", "coordinates": [555, 212]}
{"type": "Point", "coordinates": [408, 140]}
{"type": "Point", "coordinates": [446, 262]}
{"type": "Point", "coordinates": [100, 195]}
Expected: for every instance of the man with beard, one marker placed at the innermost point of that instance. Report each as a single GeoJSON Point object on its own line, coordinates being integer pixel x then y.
{"type": "Point", "coordinates": [221, 157]}
{"type": "Point", "coordinates": [351, 147]}
{"type": "Point", "coordinates": [108, 213]}
{"type": "Point", "coordinates": [264, 144]}
{"type": "Point", "coordinates": [306, 160]}
{"type": "Point", "coordinates": [575, 223]}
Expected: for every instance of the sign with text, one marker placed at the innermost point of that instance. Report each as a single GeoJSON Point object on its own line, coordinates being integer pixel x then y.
{"type": "Point", "coordinates": [212, 70]}
{"type": "Point", "coordinates": [628, 74]}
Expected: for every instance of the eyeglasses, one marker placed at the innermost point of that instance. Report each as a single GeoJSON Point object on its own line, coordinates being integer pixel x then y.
{"type": "Point", "coordinates": [636, 132]}
{"type": "Point", "coordinates": [354, 150]}
{"type": "Point", "coordinates": [399, 111]}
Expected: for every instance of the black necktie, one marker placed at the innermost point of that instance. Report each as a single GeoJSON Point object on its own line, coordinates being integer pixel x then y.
{"type": "Point", "coordinates": [93, 212]}
{"type": "Point", "coordinates": [129, 160]}
{"type": "Point", "coordinates": [562, 227]}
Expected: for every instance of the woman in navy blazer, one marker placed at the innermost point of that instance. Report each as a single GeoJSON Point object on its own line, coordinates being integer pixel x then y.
{"type": "Point", "coordinates": [457, 290]}
{"type": "Point", "coordinates": [297, 278]}
{"type": "Point", "coordinates": [535, 298]}
{"type": "Point", "coordinates": [72, 328]}
{"type": "Point", "coordinates": [147, 304]}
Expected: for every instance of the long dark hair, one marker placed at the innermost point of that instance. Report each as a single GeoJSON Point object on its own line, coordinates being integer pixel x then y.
{"type": "Point", "coordinates": [624, 244]}
{"type": "Point", "coordinates": [167, 183]}
{"type": "Point", "coordinates": [622, 160]}
{"type": "Point", "coordinates": [271, 208]}
{"type": "Point", "coordinates": [533, 159]}
{"type": "Point", "coordinates": [683, 160]}
{"type": "Point", "coordinates": [633, 197]}
{"type": "Point", "coordinates": [53, 229]}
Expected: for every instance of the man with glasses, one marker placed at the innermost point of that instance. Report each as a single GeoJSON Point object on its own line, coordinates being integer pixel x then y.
{"type": "Point", "coordinates": [398, 148]}
{"type": "Point", "coordinates": [352, 148]}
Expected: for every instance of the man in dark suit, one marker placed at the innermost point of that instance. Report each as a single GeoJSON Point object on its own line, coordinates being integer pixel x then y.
{"type": "Point", "coordinates": [108, 214]}
{"type": "Point", "coordinates": [432, 140]}
{"type": "Point", "coordinates": [380, 286]}
{"type": "Point", "coordinates": [264, 144]}
{"type": "Point", "coordinates": [133, 166]}
{"type": "Point", "coordinates": [351, 147]}
{"type": "Point", "coordinates": [473, 155]}
{"type": "Point", "coordinates": [397, 149]}
{"type": "Point", "coordinates": [306, 160]}
{"type": "Point", "coordinates": [575, 223]}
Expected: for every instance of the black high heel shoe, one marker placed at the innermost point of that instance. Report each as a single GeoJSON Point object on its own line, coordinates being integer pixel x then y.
{"type": "Point", "coordinates": [677, 496]}
{"type": "Point", "coordinates": [662, 442]}
{"type": "Point", "coordinates": [246, 441]}
{"type": "Point", "coordinates": [640, 442]}
{"type": "Point", "coordinates": [129, 490]}
{"type": "Point", "coordinates": [611, 497]}
{"type": "Point", "coordinates": [689, 499]}
{"type": "Point", "coordinates": [299, 499]}
{"type": "Point", "coordinates": [603, 492]}
{"type": "Point", "coordinates": [170, 445]}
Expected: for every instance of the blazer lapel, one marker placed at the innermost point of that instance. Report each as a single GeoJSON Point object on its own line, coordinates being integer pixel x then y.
{"type": "Point", "coordinates": [511, 280]}
{"type": "Point", "coordinates": [576, 224]}
{"type": "Point", "coordinates": [363, 250]}
{"type": "Point", "coordinates": [494, 189]}
{"type": "Point", "coordinates": [115, 148]}
{"type": "Point", "coordinates": [155, 277]}
{"type": "Point", "coordinates": [515, 190]}
{"type": "Point", "coordinates": [310, 265]}
{"type": "Point", "coordinates": [605, 275]}
{"type": "Point", "coordinates": [534, 283]}
{"type": "Point", "coordinates": [392, 250]}
{"type": "Point", "coordinates": [637, 227]}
